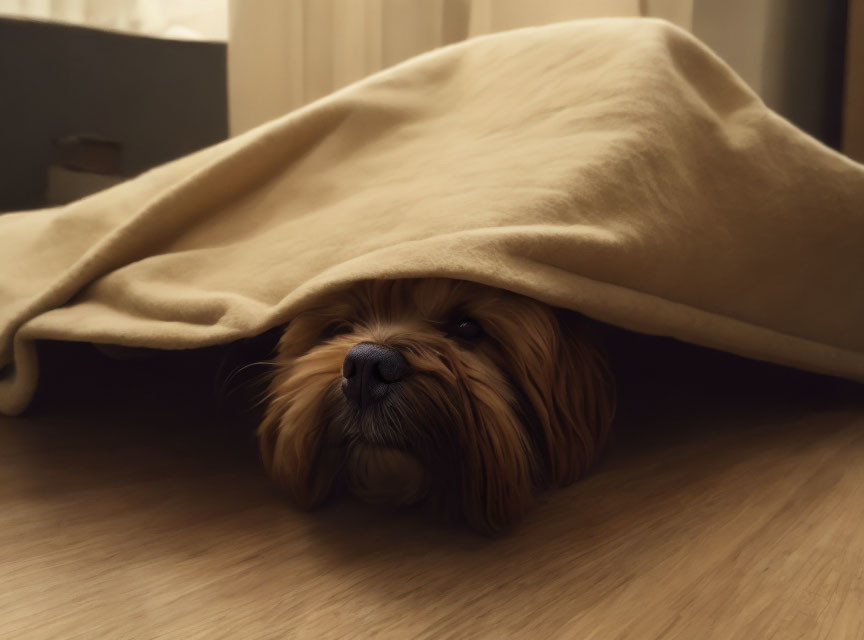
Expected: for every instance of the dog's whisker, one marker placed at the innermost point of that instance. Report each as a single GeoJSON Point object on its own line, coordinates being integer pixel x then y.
{"type": "Point", "coordinates": [236, 372]}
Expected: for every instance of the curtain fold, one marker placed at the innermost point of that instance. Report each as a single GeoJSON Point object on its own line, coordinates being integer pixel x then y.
{"type": "Point", "coordinates": [283, 54]}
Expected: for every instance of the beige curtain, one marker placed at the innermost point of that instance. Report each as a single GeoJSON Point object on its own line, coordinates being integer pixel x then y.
{"type": "Point", "coordinates": [285, 53]}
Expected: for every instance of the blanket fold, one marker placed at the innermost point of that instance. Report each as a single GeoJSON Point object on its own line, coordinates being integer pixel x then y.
{"type": "Point", "coordinates": [614, 166]}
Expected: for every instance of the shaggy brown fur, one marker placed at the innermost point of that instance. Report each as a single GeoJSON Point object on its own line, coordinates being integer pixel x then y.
{"type": "Point", "coordinates": [483, 420]}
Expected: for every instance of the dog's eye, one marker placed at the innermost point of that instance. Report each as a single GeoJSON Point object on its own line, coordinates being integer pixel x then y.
{"type": "Point", "coordinates": [466, 329]}
{"type": "Point", "coordinates": [337, 329]}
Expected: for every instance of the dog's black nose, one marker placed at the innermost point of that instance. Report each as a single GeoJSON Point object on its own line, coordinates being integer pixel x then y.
{"type": "Point", "coordinates": [370, 371]}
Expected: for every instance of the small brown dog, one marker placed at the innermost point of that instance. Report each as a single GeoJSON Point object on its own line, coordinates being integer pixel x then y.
{"type": "Point", "coordinates": [410, 390]}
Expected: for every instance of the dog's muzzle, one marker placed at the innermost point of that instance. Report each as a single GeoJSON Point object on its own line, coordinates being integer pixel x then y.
{"type": "Point", "coordinates": [370, 372]}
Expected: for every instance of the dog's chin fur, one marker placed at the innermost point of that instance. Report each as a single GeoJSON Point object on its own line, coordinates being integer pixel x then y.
{"type": "Point", "coordinates": [386, 476]}
{"type": "Point", "coordinates": [478, 425]}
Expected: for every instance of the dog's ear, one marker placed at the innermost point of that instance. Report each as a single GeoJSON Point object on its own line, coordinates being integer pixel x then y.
{"type": "Point", "coordinates": [582, 398]}
{"type": "Point", "coordinates": [293, 455]}
{"type": "Point", "coordinates": [498, 478]}
{"type": "Point", "coordinates": [564, 383]}
{"type": "Point", "coordinates": [291, 437]}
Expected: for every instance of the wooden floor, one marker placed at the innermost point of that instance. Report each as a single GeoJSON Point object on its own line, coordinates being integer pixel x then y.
{"type": "Point", "coordinates": [730, 506]}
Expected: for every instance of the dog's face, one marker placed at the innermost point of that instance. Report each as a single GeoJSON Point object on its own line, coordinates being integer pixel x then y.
{"type": "Point", "coordinates": [406, 390]}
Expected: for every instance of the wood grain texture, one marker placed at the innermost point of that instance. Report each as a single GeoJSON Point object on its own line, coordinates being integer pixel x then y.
{"type": "Point", "coordinates": [723, 510]}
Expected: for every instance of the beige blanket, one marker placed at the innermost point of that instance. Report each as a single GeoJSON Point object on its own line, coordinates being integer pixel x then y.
{"type": "Point", "coordinates": [616, 167]}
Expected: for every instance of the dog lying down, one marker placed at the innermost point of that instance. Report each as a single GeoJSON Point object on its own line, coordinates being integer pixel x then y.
{"type": "Point", "coordinates": [435, 391]}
